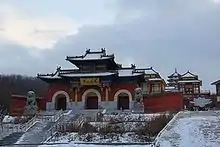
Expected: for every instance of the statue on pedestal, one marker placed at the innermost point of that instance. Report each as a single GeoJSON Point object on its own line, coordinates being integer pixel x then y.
{"type": "Point", "coordinates": [31, 104]}
{"type": "Point", "coordinates": [138, 101]}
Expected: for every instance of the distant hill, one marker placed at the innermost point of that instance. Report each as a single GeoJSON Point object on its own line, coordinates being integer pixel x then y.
{"type": "Point", "coordinates": [18, 84]}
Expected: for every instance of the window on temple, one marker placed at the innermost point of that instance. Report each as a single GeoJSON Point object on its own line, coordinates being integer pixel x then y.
{"type": "Point", "coordinates": [196, 89]}
{"type": "Point", "coordinates": [88, 68]}
{"type": "Point", "coordinates": [100, 67]}
{"type": "Point", "coordinates": [147, 76]}
{"type": "Point", "coordinates": [181, 89]}
{"type": "Point", "coordinates": [145, 88]}
{"type": "Point", "coordinates": [218, 99]}
{"type": "Point", "coordinates": [156, 88]}
{"type": "Point", "coordinates": [153, 76]}
{"type": "Point", "coordinates": [188, 90]}
{"type": "Point", "coordinates": [218, 89]}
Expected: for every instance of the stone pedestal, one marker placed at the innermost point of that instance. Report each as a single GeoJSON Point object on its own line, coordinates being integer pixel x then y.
{"type": "Point", "coordinates": [138, 107]}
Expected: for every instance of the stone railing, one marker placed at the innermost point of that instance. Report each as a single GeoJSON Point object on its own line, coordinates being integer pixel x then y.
{"type": "Point", "coordinates": [58, 115]}
{"type": "Point", "coordinates": [52, 132]}
{"type": "Point", "coordinates": [9, 128]}
{"type": "Point", "coordinates": [26, 126]}
{"type": "Point", "coordinates": [50, 117]}
{"type": "Point", "coordinates": [53, 129]}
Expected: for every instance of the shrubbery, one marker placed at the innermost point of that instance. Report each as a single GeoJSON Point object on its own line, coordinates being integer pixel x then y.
{"type": "Point", "coordinates": [143, 131]}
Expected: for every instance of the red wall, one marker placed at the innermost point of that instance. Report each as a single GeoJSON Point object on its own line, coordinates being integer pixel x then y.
{"type": "Point", "coordinates": [18, 104]}
{"type": "Point", "coordinates": [114, 88]}
{"type": "Point", "coordinates": [163, 102]}
{"type": "Point", "coordinates": [53, 88]}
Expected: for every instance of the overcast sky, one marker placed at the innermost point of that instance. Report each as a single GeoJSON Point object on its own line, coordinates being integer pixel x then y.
{"type": "Point", "coordinates": [37, 35]}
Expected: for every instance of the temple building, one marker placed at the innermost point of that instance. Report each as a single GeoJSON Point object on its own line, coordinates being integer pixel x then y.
{"type": "Point", "coordinates": [98, 83]}
{"type": "Point", "coordinates": [188, 84]}
{"type": "Point", "coordinates": [217, 96]}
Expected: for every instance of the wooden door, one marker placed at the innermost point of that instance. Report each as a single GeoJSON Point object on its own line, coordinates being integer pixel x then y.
{"type": "Point", "coordinates": [61, 103]}
{"type": "Point", "coordinates": [123, 102]}
{"type": "Point", "coordinates": [92, 102]}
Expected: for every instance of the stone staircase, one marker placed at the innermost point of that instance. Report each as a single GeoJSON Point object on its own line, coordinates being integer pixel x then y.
{"type": "Point", "coordinates": [10, 133]}
{"type": "Point", "coordinates": [11, 139]}
{"type": "Point", "coordinates": [39, 129]}
{"type": "Point", "coordinates": [35, 135]}
{"type": "Point", "coordinates": [70, 117]}
{"type": "Point", "coordinates": [31, 132]}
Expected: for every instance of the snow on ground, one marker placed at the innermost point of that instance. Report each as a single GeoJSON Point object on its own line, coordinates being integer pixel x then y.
{"type": "Point", "coordinates": [92, 145]}
{"type": "Point", "coordinates": [98, 138]}
{"type": "Point", "coordinates": [192, 129]}
{"type": "Point", "coordinates": [128, 120]}
{"type": "Point", "coordinates": [8, 119]}
{"type": "Point", "coordinates": [131, 117]}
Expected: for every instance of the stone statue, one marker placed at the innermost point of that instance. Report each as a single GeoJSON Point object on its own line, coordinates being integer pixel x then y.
{"type": "Point", "coordinates": [31, 104]}
{"type": "Point", "coordinates": [138, 101]}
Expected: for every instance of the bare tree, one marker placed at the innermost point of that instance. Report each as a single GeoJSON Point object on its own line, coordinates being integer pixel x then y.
{"type": "Point", "coordinates": [3, 112]}
{"type": "Point", "coordinates": [19, 84]}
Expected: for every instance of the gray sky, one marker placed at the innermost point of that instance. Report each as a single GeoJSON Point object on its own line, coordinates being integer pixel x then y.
{"type": "Point", "coordinates": [37, 35]}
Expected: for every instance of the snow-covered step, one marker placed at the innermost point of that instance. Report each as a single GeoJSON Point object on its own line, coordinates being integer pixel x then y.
{"type": "Point", "coordinates": [36, 133]}
{"type": "Point", "coordinates": [10, 139]}
{"type": "Point", "coordinates": [194, 129]}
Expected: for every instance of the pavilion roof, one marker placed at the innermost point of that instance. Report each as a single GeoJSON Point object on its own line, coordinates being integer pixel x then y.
{"type": "Point", "coordinates": [216, 82]}
{"type": "Point", "coordinates": [175, 74]}
{"type": "Point", "coordinates": [188, 74]}
{"type": "Point", "coordinates": [91, 55]}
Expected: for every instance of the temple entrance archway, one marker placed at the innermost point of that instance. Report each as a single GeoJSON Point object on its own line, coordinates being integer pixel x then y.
{"type": "Point", "coordinates": [60, 103]}
{"type": "Point", "coordinates": [123, 98]}
{"type": "Point", "coordinates": [123, 101]}
{"type": "Point", "coordinates": [60, 100]}
{"type": "Point", "coordinates": [91, 99]}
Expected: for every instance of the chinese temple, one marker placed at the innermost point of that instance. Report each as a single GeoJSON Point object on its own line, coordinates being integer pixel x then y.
{"type": "Point", "coordinates": [217, 96]}
{"type": "Point", "coordinates": [188, 84]}
{"type": "Point", "coordinates": [98, 82]}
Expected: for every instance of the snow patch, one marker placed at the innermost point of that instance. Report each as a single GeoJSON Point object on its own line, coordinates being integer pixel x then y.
{"type": "Point", "coordinates": [8, 119]}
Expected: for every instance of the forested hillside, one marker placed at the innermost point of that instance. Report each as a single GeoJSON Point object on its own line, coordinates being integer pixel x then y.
{"type": "Point", "coordinates": [17, 84]}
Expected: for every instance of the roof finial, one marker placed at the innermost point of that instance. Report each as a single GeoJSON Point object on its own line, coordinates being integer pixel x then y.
{"type": "Point", "coordinates": [103, 51]}
{"type": "Point", "coordinates": [175, 70]}
{"type": "Point", "coordinates": [87, 51]}
{"type": "Point", "coordinates": [58, 67]}
{"type": "Point", "coordinates": [133, 66]}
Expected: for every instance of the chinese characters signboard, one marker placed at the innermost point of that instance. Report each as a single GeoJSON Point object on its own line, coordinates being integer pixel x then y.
{"type": "Point", "coordinates": [89, 81]}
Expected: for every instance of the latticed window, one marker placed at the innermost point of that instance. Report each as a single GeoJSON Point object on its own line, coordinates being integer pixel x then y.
{"type": "Point", "coordinates": [100, 67]}
{"type": "Point", "coordinates": [181, 89]}
{"type": "Point", "coordinates": [156, 88]}
{"type": "Point", "coordinates": [189, 90]}
{"type": "Point", "coordinates": [145, 88]}
{"type": "Point", "coordinates": [218, 99]}
{"type": "Point", "coordinates": [196, 90]}
{"type": "Point", "coordinates": [218, 89]}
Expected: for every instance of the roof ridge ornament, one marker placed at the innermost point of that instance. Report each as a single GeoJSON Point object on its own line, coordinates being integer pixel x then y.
{"type": "Point", "coordinates": [133, 66]}
{"type": "Point", "coordinates": [88, 50]}
{"type": "Point", "coordinates": [176, 70]}
{"type": "Point", "coordinates": [103, 50]}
